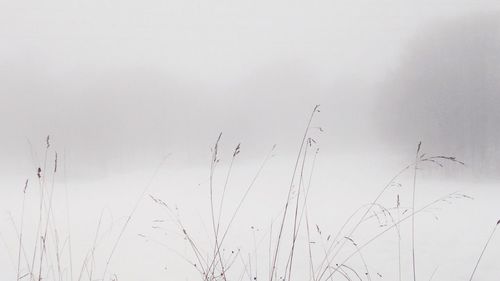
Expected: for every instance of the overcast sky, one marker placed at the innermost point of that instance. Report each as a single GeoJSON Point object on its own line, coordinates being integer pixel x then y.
{"type": "Point", "coordinates": [128, 80]}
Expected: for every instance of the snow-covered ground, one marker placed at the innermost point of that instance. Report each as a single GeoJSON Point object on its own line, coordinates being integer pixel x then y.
{"type": "Point", "coordinates": [449, 235]}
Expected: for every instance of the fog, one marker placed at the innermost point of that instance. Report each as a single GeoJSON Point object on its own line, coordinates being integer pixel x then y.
{"type": "Point", "coordinates": [445, 91]}
{"type": "Point", "coordinates": [137, 79]}
{"type": "Point", "coordinates": [127, 88]}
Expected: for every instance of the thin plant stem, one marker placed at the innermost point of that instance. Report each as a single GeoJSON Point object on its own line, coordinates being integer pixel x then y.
{"type": "Point", "coordinates": [129, 218]}
{"type": "Point", "coordinates": [282, 224]}
{"type": "Point", "coordinates": [413, 217]}
{"type": "Point", "coordinates": [484, 249]}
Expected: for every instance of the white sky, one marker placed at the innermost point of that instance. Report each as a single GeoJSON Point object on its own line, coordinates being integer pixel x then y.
{"type": "Point", "coordinates": [97, 73]}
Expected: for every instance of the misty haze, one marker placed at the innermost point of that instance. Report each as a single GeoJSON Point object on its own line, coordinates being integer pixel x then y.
{"type": "Point", "coordinates": [250, 140]}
